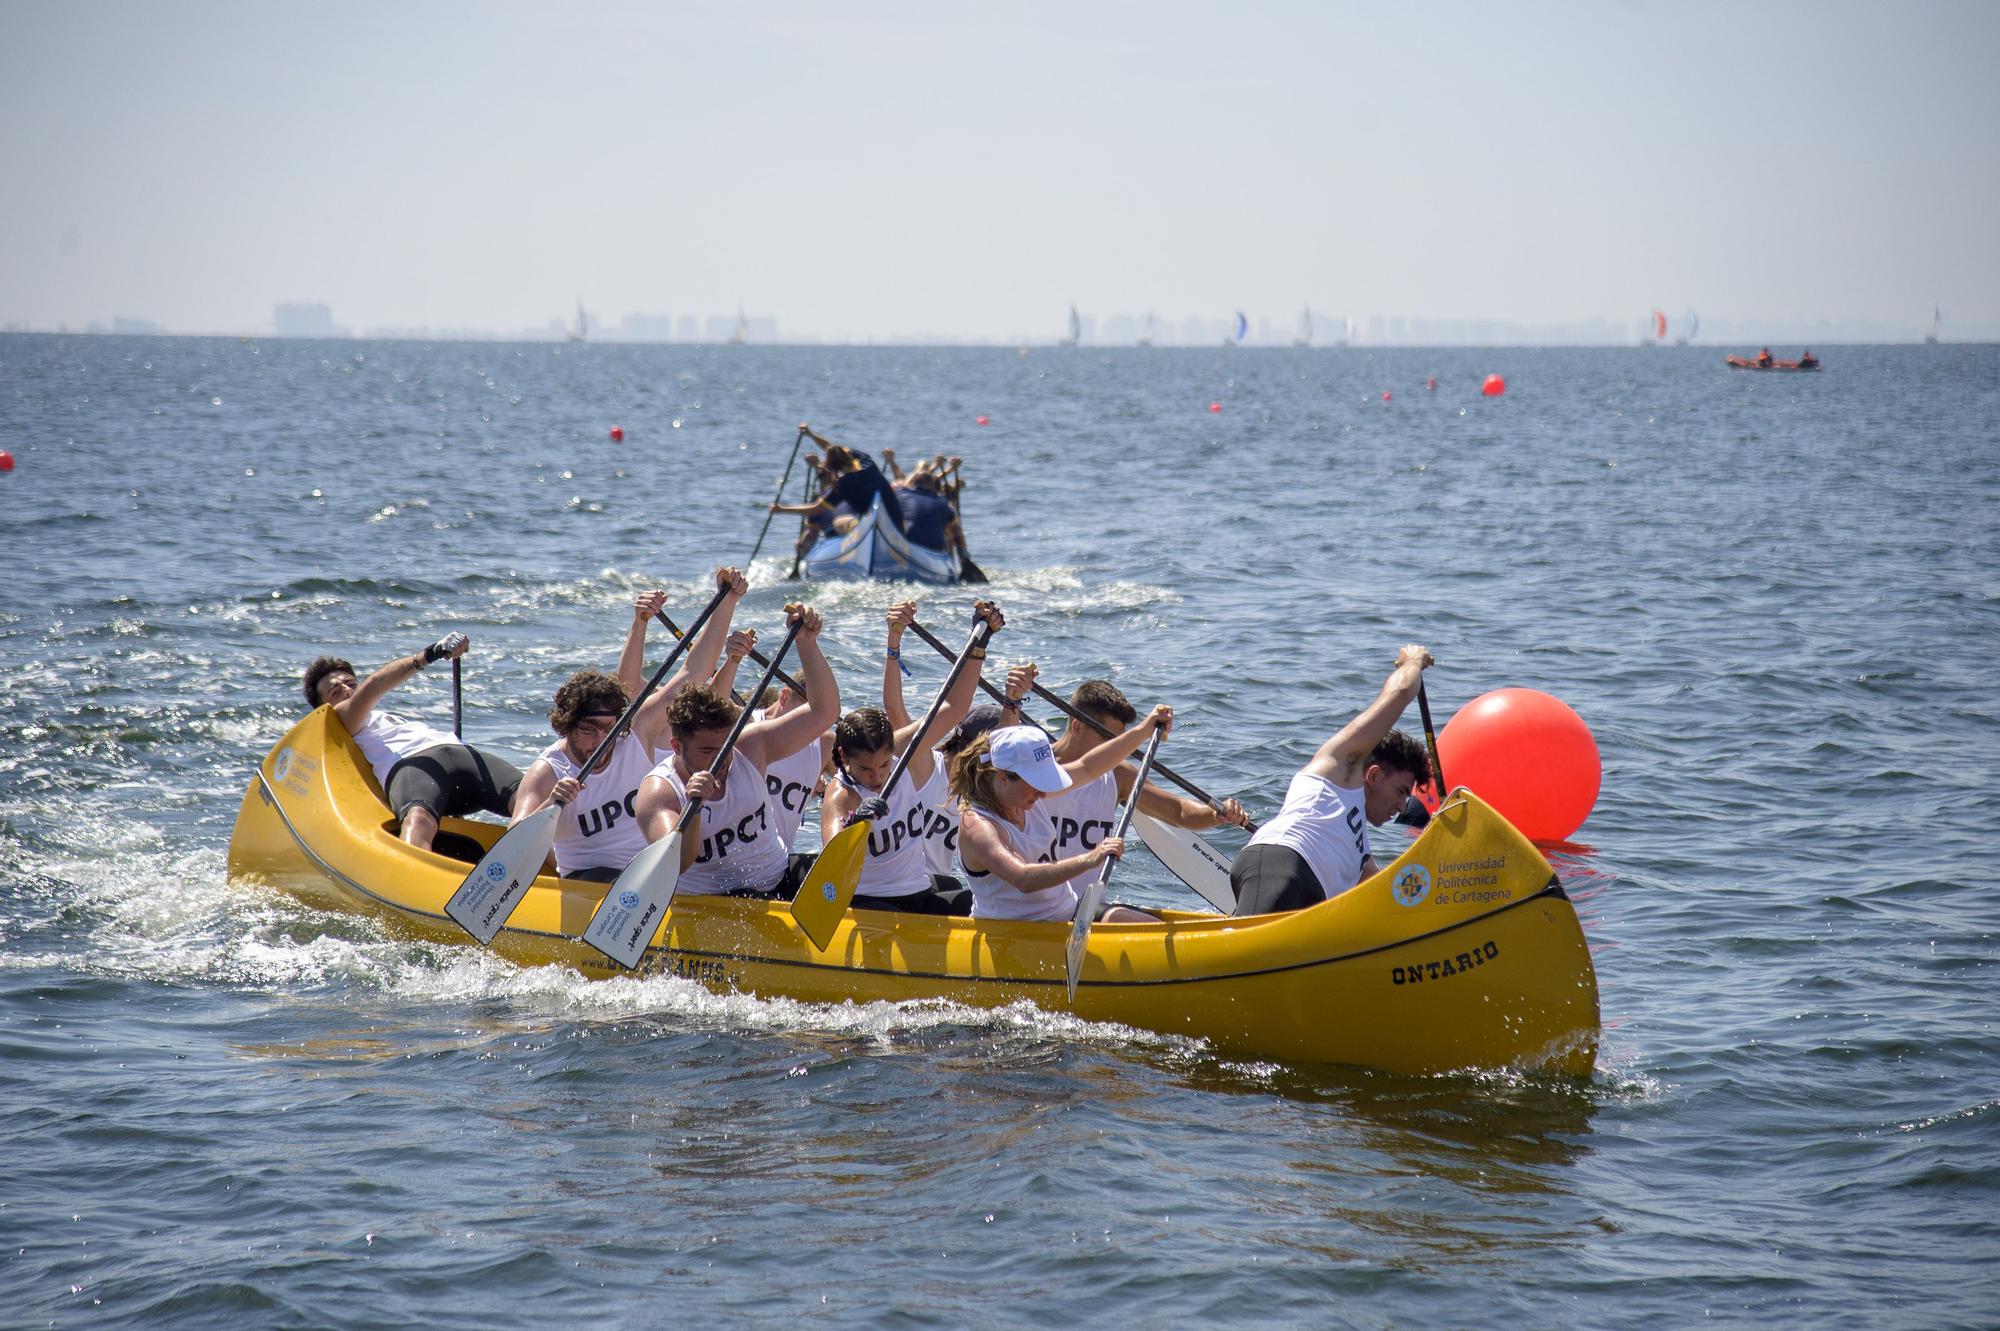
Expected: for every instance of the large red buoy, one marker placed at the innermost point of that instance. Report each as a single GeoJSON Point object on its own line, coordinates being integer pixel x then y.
{"type": "Point", "coordinates": [1528, 755]}
{"type": "Point", "coordinates": [6, 460]}
{"type": "Point", "coordinates": [1494, 386]}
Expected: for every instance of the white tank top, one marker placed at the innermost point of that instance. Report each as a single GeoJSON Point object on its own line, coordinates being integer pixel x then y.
{"type": "Point", "coordinates": [1082, 816]}
{"type": "Point", "coordinates": [790, 782]}
{"type": "Point", "coordinates": [740, 846]}
{"type": "Point", "coordinates": [599, 829]}
{"type": "Point", "coordinates": [1327, 825]}
{"type": "Point", "coordinates": [895, 865]}
{"type": "Point", "coordinates": [386, 739]}
{"type": "Point", "coordinates": [941, 838]}
{"type": "Point", "coordinates": [996, 899]}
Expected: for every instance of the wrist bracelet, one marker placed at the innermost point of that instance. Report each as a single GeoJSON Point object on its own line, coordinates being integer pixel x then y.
{"type": "Point", "coordinates": [897, 657]}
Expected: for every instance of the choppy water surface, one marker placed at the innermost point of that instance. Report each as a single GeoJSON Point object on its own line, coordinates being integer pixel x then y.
{"type": "Point", "coordinates": [1774, 599]}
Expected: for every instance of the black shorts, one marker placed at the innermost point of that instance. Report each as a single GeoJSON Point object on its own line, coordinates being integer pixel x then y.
{"type": "Point", "coordinates": [602, 873]}
{"type": "Point", "coordinates": [945, 896]}
{"type": "Point", "coordinates": [453, 779]}
{"type": "Point", "coordinates": [1267, 879]}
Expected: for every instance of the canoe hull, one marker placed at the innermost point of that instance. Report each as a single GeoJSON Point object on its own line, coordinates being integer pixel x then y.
{"type": "Point", "coordinates": [873, 548]}
{"type": "Point", "coordinates": [1464, 953]}
{"type": "Point", "coordinates": [1790, 366]}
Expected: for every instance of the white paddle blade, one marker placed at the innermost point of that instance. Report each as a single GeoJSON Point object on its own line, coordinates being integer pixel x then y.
{"type": "Point", "coordinates": [1190, 859]}
{"type": "Point", "coordinates": [496, 885]}
{"type": "Point", "coordinates": [636, 903]}
{"type": "Point", "coordinates": [1079, 925]}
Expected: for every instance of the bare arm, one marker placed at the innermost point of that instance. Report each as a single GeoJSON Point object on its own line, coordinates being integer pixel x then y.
{"type": "Point", "coordinates": [765, 742]}
{"type": "Point", "coordinates": [650, 724]}
{"type": "Point", "coordinates": [535, 790]}
{"type": "Point", "coordinates": [892, 666]}
{"type": "Point", "coordinates": [1344, 757]}
{"type": "Point", "coordinates": [1119, 747]}
{"type": "Point", "coordinates": [723, 681]}
{"type": "Point", "coordinates": [632, 661]}
{"type": "Point", "coordinates": [981, 846]}
{"type": "Point", "coordinates": [353, 713]}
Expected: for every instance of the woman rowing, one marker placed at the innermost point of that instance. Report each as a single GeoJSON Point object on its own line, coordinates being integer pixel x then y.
{"type": "Point", "coordinates": [425, 773]}
{"type": "Point", "coordinates": [1006, 839]}
{"type": "Point", "coordinates": [895, 873]}
{"type": "Point", "coordinates": [599, 831]}
{"type": "Point", "coordinates": [738, 851]}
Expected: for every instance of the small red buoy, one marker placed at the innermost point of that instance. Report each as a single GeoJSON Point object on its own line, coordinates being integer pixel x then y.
{"type": "Point", "coordinates": [617, 434]}
{"type": "Point", "coordinates": [1215, 407]}
{"type": "Point", "coordinates": [982, 421]}
{"type": "Point", "coordinates": [1494, 386]}
{"type": "Point", "coordinates": [1431, 383]}
{"type": "Point", "coordinates": [6, 460]}
{"type": "Point", "coordinates": [1385, 395]}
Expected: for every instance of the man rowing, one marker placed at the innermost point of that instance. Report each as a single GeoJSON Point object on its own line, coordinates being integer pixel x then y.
{"type": "Point", "coordinates": [1085, 813]}
{"type": "Point", "coordinates": [425, 773]}
{"type": "Point", "coordinates": [599, 831]}
{"type": "Point", "coordinates": [1317, 845]}
{"type": "Point", "coordinates": [738, 851]}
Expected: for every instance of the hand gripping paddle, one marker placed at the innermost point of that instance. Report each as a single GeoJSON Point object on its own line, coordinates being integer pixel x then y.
{"type": "Point", "coordinates": [497, 883]}
{"type": "Point", "coordinates": [1093, 895]}
{"type": "Point", "coordinates": [638, 901]}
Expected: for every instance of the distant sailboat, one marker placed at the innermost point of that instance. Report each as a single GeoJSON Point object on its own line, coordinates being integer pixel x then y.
{"type": "Point", "coordinates": [1687, 333]}
{"type": "Point", "coordinates": [1304, 337]}
{"type": "Point", "coordinates": [1346, 332]}
{"type": "Point", "coordinates": [1075, 328]}
{"type": "Point", "coordinates": [742, 333]}
{"type": "Point", "coordinates": [1937, 326]}
{"type": "Point", "coordinates": [1147, 339]}
{"type": "Point", "coordinates": [1242, 326]}
{"type": "Point", "coordinates": [582, 329]}
{"type": "Point", "coordinates": [1659, 325]}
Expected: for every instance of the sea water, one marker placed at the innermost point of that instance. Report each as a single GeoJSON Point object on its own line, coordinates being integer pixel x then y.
{"type": "Point", "coordinates": [1775, 599]}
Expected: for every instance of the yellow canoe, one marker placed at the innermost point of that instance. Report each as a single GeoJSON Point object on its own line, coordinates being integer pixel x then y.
{"type": "Point", "coordinates": [1463, 953]}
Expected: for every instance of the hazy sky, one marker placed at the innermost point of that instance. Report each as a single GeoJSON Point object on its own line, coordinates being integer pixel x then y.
{"type": "Point", "coordinates": [875, 170]}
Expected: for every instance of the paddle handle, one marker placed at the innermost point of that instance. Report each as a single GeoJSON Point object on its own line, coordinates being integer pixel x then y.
{"type": "Point", "coordinates": [755, 655]}
{"type": "Point", "coordinates": [457, 699]}
{"type": "Point", "coordinates": [798, 439]}
{"type": "Point", "coordinates": [1430, 737]}
{"type": "Point", "coordinates": [1064, 706]}
{"type": "Point", "coordinates": [743, 714]}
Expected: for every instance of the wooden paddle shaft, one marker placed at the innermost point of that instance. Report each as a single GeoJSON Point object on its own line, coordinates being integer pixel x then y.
{"type": "Point", "coordinates": [742, 718]}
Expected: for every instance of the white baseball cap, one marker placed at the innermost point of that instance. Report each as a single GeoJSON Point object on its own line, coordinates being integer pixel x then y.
{"type": "Point", "coordinates": [1026, 752]}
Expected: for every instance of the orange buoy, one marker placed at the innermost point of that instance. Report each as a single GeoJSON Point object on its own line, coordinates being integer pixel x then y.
{"type": "Point", "coordinates": [617, 434]}
{"type": "Point", "coordinates": [1431, 383]}
{"type": "Point", "coordinates": [1494, 386]}
{"type": "Point", "coordinates": [6, 460]}
{"type": "Point", "coordinates": [1215, 407]}
{"type": "Point", "coordinates": [1528, 755]}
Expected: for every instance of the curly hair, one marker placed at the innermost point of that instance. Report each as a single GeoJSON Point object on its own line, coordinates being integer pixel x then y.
{"type": "Point", "coordinates": [698, 707]}
{"type": "Point", "coordinates": [319, 670]}
{"type": "Point", "coordinates": [863, 730]}
{"type": "Point", "coordinates": [1397, 752]}
{"type": "Point", "coordinates": [585, 692]}
{"type": "Point", "coordinates": [1101, 698]}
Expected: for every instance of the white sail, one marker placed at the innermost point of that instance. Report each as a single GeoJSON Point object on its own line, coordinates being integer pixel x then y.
{"type": "Point", "coordinates": [742, 333]}
{"type": "Point", "coordinates": [1304, 337]}
{"type": "Point", "coordinates": [582, 329]}
{"type": "Point", "coordinates": [1075, 328]}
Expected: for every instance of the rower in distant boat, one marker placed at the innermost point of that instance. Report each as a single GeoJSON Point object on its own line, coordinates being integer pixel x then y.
{"type": "Point", "coordinates": [1317, 846]}
{"type": "Point", "coordinates": [857, 483]}
{"type": "Point", "coordinates": [1764, 361]}
{"type": "Point", "coordinates": [1808, 361]}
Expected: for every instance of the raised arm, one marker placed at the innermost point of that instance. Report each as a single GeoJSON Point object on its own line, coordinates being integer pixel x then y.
{"type": "Point", "coordinates": [957, 702]}
{"type": "Point", "coordinates": [1344, 757]}
{"type": "Point", "coordinates": [650, 725]}
{"type": "Point", "coordinates": [1179, 810]}
{"type": "Point", "coordinates": [353, 712]}
{"type": "Point", "coordinates": [632, 661]}
{"type": "Point", "coordinates": [1118, 748]}
{"type": "Point", "coordinates": [741, 643]}
{"type": "Point", "coordinates": [899, 618]}
{"type": "Point", "coordinates": [766, 742]}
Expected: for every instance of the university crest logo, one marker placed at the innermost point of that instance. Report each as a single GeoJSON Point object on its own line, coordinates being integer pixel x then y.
{"type": "Point", "coordinates": [1412, 885]}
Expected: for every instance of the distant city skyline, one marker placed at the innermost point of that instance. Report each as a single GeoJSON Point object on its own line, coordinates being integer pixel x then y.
{"type": "Point", "coordinates": [1445, 172]}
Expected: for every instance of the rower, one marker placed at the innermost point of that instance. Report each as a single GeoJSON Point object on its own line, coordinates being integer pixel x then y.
{"type": "Point", "coordinates": [599, 831]}
{"type": "Point", "coordinates": [856, 482]}
{"type": "Point", "coordinates": [1808, 361]}
{"type": "Point", "coordinates": [895, 873]}
{"type": "Point", "coordinates": [1764, 361]}
{"type": "Point", "coordinates": [1006, 839]}
{"type": "Point", "coordinates": [793, 782]}
{"type": "Point", "coordinates": [1317, 846]}
{"type": "Point", "coordinates": [425, 773]}
{"type": "Point", "coordinates": [739, 851]}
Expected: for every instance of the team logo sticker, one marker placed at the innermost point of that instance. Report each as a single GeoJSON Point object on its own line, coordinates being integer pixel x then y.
{"type": "Point", "coordinates": [629, 900]}
{"type": "Point", "coordinates": [282, 766]}
{"type": "Point", "coordinates": [1411, 886]}
{"type": "Point", "coordinates": [828, 890]}
{"type": "Point", "coordinates": [496, 872]}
